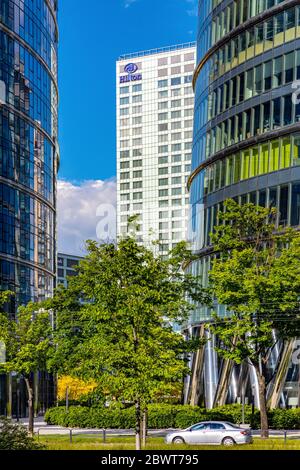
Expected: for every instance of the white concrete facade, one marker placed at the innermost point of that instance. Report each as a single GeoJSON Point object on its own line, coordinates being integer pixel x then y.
{"type": "Point", "coordinates": [155, 105]}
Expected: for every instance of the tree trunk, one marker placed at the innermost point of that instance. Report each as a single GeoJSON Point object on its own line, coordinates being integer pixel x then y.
{"type": "Point", "coordinates": [144, 427]}
{"type": "Point", "coordinates": [30, 406]}
{"type": "Point", "coordinates": [264, 425]}
{"type": "Point", "coordinates": [138, 419]}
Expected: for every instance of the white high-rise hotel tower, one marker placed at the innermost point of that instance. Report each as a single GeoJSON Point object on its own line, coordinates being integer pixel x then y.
{"type": "Point", "coordinates": [155, 104]}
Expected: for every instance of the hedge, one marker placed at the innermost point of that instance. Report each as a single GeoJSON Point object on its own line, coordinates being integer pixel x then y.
{"type": "Point", "coordinates": [159, 416]}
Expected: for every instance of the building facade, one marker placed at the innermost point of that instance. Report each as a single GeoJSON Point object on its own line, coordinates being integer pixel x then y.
{"type": "Point", "coordinates": [246, 146]}
{"type": "Point", "coordinates": [66, 266]}
{"type": "Point", "coordinates": [29, 160]}
{"type": "Point", "coordinates": [154, 138]}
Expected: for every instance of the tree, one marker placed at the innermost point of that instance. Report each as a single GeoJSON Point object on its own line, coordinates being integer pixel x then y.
{"type": "Point", "coordinates": [15, 437]}
{"type": "Point", "coordinates": [256, 274]}
{"type": "Point", "coordinates": [113, 322]}
{"type": "Point", "coordinates": [29, 344]}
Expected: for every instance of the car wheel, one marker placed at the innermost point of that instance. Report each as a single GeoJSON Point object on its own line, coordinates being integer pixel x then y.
{"type": "Point", "coordinates": [228, 441]}
{"type": "Point", "coordinates": [178, 440]}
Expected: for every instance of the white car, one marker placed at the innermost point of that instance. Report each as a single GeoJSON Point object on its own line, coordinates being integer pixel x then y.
{"type": "Point", "coordinates": [211, 433]}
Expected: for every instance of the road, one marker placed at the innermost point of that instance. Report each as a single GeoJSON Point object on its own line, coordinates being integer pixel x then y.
{"type": "Point", "coordinates": [42, 428]}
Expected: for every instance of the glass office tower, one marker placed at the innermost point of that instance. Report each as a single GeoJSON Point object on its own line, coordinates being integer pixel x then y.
{"type": "Point", "coordinates": [247, 147]}
{"type": "Point", "coordinates": [28, 165]}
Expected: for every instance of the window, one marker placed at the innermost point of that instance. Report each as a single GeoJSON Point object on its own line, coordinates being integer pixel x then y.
{"type": "Point", "coordinates": [124, 154]}
{"type": "Point", "coordinates": [175, 81]}
{"type": "Point", "coordinates": [137, 174]}
{"type": "Point", "coordinates": [136, 109]}
{"type": "Point", "coordinates": [163, 94]}
{"type": "Point", "coordinates": [136, 88]}
{"type": "Point", "coordinates": [176, 125]}
{"type": "Point", "coordinates": [137, 184]}
{"type": "Point", "coordinates": [163, 171]}
{"type": "Point", "coordinates": [175, 103]}
{"type": "Point", "coordinates": [162, 116]}
{"type": "Point", "coordinates": [277, 73]}
{"type": "Point", "coordinates": [175, 71]}
{"type": "Point", "coordinates": [124, 90]}
{"type": "Point", "coordinates": [137, 152]}
{"type": "Point", "coordinates": [124, 100]}
{"type": "Point", "coordinates": [162, 61]}
{"type": "Point", "coordinates": [176, 147]}
{"type": "Point", "coordinates": [137, 98]}
{"type": "Point", "coordinates": [125, 175]}
{"type": "Point", "coordinates": [176, 169]}
{"type": "Point", "coordinates": [175, 59]}
{"type": "Point", "coordinates": [162, 160]}
{"type": "Point", "coordinates": [163, 105]}
{"type": "Point", "coordinates": [176, 180]}
{"type": "Point", "coordinates": [136, 120]}
{"type": "Point", "coordinates": [163, 192]}
{"type": "Point", "coordinates": [136, 196]}
{"type": "Point", "coordinates": [162, 127]}
{"type": "Point", "coordinates": [188, 79]}
{"type": "Point", "coordinates": [124, 165]}
{"type": "Point", "coordinates": [176, 158]}
{"type": "Point", "coordinates": [175, 114]}
{"type": "Point", "coordinates": [162, 83]}
{"type": "Point", "coordinates": [163, 149]}
{"type": "Point", "coordinates": [163, 182]}
{"type": "Point", "coordinates": [276, 113]}
{"type": "Point", "coordinates": [164, 214]}
{"type": "Point", "coordinates": [268, 75]}
{"type": "Point", "coordinates": [289, 67]}
{"type": "Point", "coordinates": [124, 111]}
{"type": "Point", "coordinates": [137, 163]}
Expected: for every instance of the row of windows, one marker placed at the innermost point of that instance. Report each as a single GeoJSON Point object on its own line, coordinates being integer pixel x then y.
{"type": "Point", "coordinates": [286, 198]}
{"type": "Point", "coordinates": [255, 161]}
{"type": "Point", "coordinates": [255, 121]}
{"type": "Point", "coordinates": [176, 70]}
{"type": "Point", "coordinates": [188, 90]}
{"type": "Point", "coordinates": [264, 77]}
{"type": "Point", "coordinates": [175, 59]}
{"type": "Point", "coordinates": [175, 103]}
{"type": "Point", "coordinates": [164, 148]}
{"type": "Point", "coordinates": [175, 125]}
{"type": "Point", "coordinates": [175, 81]}
{"type": "Point", "coordinates": [134, 110]}
{"type": "Point", "coordinates": [278, 30]}
{"type": "Point", "coordinates": [175, 114]}
{"type": "Point", "coordinates": [27, 283]}
{"type": "Point", "coordinates": [229, 18]}
{"type": "Point", "coordinates": [125, 90]}
{"type": "Point", "coordinates": [175, 159]}
{"type": "Point", "coordinates": [132, 99]}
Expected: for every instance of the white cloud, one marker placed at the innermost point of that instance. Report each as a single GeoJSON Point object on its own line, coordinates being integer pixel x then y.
{"type": "Point", "coordinates": [85, 210]}
{"type": "Point", "coordinates": [128, 3]}
{"type": "Point", "coordinates": [193, 10]}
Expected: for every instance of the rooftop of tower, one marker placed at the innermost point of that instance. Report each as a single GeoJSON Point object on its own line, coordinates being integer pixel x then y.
{"type": "Point", "coordinates": [159, 50]}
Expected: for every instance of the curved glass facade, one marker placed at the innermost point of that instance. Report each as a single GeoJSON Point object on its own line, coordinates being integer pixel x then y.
{"type": "Point", "coordinates": [28, 167]}
{"type": "Point", "coordinates": [28, 147]}
{"type": "Point", "coordinates": [247, 117]}
{"type": "Point", "coordinates": [246, 146]}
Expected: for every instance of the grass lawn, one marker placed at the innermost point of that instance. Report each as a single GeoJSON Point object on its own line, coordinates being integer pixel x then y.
{"type": "Point", "coordinates": [92, 442]}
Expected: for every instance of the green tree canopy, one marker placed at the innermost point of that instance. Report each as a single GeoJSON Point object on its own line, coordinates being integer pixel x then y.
{"type": "Point", "coordinates": [114, 321]}
{"type": "Point", "coordinates": [256, 275]}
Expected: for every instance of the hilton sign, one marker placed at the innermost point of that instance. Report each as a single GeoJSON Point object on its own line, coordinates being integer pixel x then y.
{"type": "Point", "coordinates": [131, 76]}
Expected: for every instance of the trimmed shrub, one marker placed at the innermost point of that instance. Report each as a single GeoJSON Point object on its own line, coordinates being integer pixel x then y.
{"type": "Point", "coordinates": [167, 416]}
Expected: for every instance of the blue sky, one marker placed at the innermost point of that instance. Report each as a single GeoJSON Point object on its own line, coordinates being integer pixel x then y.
{"type": "Point", "coordinates": [93, 33]}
